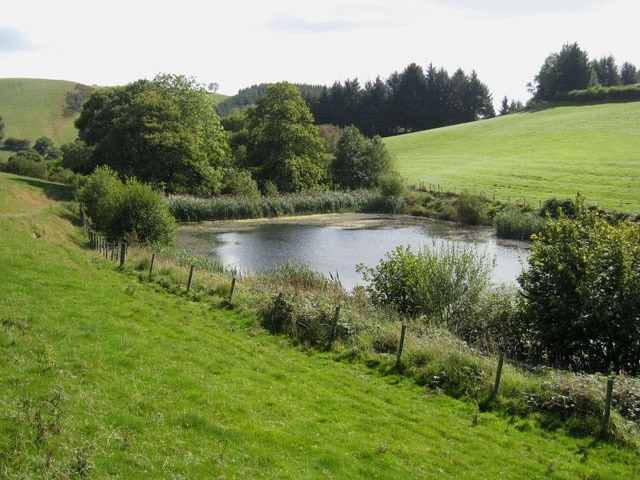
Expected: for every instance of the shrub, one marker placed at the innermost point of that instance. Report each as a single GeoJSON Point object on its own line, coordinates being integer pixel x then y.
{"type": "Point", "coordinates": [140, 216]}
{"type": "Point", "coordinates": [99, 194]}
{"type": "Point", "coordinates": [390, 185]}
{"type": "Point", "coordinates": [21, 165]}
{"type": "Point", "coordinates": [438, 285]}
{"type": "Point", "coordinates": [472, 209]}
{"type": "Point", "coordinates": [132, 212]}
{"type": "Point", "coordinates": [243, 185]}
{"type": "Point", "coordinates": [582, 292]}
{"type": "Point", "coordinates": [359, 161]}
{"type": "Point", "coordinates": [17, 144]}
{"type": "Point", "coordinates": [308, 320]}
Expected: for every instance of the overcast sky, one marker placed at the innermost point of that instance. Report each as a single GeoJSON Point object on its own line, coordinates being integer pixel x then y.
{"type": "Point", "coordinates": [240, 43]}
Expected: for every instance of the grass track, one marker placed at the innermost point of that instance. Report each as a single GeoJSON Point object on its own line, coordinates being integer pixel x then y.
{"type": "Point", "coordinates": [107, 377]}
{"type": "Point", "coordinates": [533, 156]}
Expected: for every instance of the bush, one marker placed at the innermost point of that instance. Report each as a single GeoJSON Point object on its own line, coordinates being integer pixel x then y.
{"type": "Point", "coordinates": [141, 216]}
{"type": "Point", "coordinates": [132, 212]}
{"type": "Point", "coordinates": [439, 285]}
{"type": "Point", "coordinates": [308, 320]}
{"type": "Point", "coordinates": [472, 209]}
{"type": "Point", "coordinates": [390, 185]}
{"type": "Point", "coordinates": [582, 292]}
{"type": "Point", "coordinates": [241, 184]}
{"type": "Point", "coordinates": [17, 144]}
{"type": "Point", "coordinates": [99, 195]}
{"type": "Point", "coordinates": [20, 165]}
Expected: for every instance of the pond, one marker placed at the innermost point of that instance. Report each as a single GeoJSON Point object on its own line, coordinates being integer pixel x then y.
{"type": "Point", "coordinates": [334, 244]}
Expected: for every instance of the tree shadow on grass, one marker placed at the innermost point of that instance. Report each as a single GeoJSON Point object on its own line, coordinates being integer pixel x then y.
{"type": "Point", "coordinates": [54, 191]}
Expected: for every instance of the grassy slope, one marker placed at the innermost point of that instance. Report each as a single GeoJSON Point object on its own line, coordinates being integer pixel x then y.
{"type": "Point", "coordinates": [100, 373]}
{"type": "Point", "coordinates": [537, 155]}
{"type": "Point", "coordinates": [32, 108]}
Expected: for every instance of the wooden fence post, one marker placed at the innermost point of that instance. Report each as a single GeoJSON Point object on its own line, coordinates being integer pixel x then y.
{"type": "Point", "coordinates": [496, 385]}
{"type": "Point", "coordinates": [123, 253]}
{"type": "Point", "coordinates": [190, 278]}
{"type": "Point", "coordinates": [607, 407]}
{"type": "Point", "coordinates": [401, 346]}
{"type": "Point", "coordinates": [233, 286]}
{"type": "Point", "coordinates": [153, 261]}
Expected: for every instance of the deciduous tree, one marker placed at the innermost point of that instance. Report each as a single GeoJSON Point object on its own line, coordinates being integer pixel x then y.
{"type": "Point", "coordinates": [283, 144]}
{"type": "Point", "coordinates": [359, 161]}
{"type": "Point", "coordinates": [164, 132]}
{"type": "Point", "coordinates": [562, 72]}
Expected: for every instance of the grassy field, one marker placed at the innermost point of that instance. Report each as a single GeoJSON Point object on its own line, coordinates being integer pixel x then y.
{"type": "Point", "coordinates": [34, 108]}
{"type": "Point", "coordinates": [105, 376]}
{"type": "Point", "coordinates": [533, 156]}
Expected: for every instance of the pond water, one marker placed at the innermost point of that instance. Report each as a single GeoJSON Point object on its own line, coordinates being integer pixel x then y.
{"type": "Point", "coordinates": [335, 244]}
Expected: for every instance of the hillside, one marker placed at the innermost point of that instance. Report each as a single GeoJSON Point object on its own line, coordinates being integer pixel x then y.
{"type": "Point", "coordinates": [533, 156]}
{"type": "Point", "coordinates": [103, 374]}
{"type": "Point", "coordinates": [34, 108]}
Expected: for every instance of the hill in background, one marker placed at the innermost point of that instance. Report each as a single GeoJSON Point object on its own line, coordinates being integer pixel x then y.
{"type": "Point", "coordinates": [34, 108]}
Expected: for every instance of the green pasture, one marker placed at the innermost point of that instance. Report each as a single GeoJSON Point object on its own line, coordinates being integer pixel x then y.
{"type": "Point", "coordinates": [533, 156]}
{"type": "Point", "coordinates": [103, 375]}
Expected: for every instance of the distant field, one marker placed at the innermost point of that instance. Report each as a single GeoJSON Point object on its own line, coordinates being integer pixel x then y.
{"type": "Point", "coordinates": [533, 156]}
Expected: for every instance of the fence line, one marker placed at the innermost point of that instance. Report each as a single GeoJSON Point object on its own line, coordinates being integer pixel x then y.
{"type": "Point", "coordinates": [118, 250]}
{"type": "Point", "coordinates": [435, 188]}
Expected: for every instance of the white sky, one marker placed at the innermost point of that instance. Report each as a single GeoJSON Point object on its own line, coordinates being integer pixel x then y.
{"type": "Point", "coordinates": [242, 43]}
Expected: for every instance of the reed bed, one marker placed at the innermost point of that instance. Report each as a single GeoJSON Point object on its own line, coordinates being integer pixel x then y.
{"type": "Point", "coordinates": [194, 209]}
{"type": "Point", "coordinates": [518, 225]}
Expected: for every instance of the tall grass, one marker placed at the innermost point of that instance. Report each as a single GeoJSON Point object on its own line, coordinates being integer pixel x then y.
{"type": "Point", "coordinates": [193, 209]}
{"type": "Point", "coordinates": [518, 225]}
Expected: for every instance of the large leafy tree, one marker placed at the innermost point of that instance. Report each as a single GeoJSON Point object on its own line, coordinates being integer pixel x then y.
{"type": "Point", "coordinates": [283, 143]}
{"type": "Point", "coordinates": [164, 132]}
{"type": "Point", "coordinates": [582, 292]}
{"type": "Point", "coordinates": [562, 72]}
{"type": "Point", "coordinates": [359, 161]}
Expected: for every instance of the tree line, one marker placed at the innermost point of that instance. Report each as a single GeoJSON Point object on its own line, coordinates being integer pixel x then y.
{"type": "Point", "coordinates": [570, 69]}
{"type": "Point", "coordinates": [411, 100]}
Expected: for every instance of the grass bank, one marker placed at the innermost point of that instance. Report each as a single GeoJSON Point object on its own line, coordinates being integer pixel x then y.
{"type": "Point", "coordinates": [104, 374]}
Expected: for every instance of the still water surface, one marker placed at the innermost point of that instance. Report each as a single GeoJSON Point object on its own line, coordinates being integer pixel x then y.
{"type": "Point", "coordinates": [335, 244]}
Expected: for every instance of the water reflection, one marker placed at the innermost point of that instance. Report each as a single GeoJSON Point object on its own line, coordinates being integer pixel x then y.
{"type": "Point", "coordinates": [337, 247]}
